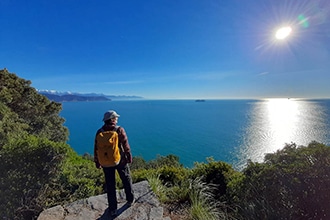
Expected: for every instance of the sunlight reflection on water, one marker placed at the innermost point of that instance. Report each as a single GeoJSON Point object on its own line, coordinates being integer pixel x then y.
{"type": "Point", "coordinates": [275, 122]}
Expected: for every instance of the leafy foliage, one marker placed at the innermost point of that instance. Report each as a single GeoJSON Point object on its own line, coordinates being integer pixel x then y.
{"type": "Point", "coordinates": [293, 183]}
{"type": "Point", "coordinates": [27, 165]}
{"type": "Point", "coordinates": [11, 126]}
{"type": "Point", "coordinates": [78, 178]}
{"type": "Point", "coordinates": [138, 163]}
{"type": "Point", "coordinates": [169, 160]}
{"type": "Point", "coordinates": [34, 157]}
{"type": "Point", "coordinates": [214, 172]}
{"type": "Point", "coordinates": [29, 107]}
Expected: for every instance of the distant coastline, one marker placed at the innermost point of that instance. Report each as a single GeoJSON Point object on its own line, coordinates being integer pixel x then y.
{"type": "Point", "coordinates": [77, 97]}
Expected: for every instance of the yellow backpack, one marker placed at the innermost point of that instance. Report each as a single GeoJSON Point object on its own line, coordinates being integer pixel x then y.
{"type": "Point", "coordinates": [107, 150]}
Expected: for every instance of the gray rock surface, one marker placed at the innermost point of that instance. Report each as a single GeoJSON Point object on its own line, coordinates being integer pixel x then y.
{"type": "Point", "coordinates": [146, 207]}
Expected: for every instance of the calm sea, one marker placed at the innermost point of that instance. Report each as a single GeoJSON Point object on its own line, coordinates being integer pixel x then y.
{"type": "Point", "coordinates": [228, 130]}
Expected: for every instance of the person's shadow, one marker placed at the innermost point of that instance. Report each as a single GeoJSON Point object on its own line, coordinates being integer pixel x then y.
{"type": "Point", "coordinates": [106, 215]}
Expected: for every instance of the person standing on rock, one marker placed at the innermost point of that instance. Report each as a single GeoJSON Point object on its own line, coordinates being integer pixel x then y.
{"type": "Point", "coordinates": [112, 152]}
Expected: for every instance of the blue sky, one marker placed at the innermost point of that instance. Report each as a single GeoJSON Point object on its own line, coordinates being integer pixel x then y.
{"type": "Point", "coordinates": [166, 49]}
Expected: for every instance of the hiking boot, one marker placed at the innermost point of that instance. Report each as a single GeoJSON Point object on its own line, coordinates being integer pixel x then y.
{"type": "Point", "coordinates": [130, 203]}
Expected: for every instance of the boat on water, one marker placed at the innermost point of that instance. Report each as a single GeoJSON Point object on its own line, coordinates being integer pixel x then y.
{"type": "Point", "coordinates": [200, 100]}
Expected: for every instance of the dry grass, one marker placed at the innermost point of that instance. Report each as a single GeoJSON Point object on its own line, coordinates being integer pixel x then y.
{"type": "Point", "coordinates": [176, 211]}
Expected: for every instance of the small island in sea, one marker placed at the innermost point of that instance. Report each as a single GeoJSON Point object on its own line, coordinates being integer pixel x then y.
{"type": "Point", "coordinates": [200, 100]}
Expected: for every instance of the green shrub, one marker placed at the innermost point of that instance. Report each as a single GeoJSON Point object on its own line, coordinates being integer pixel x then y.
{"type": "Point", "coordinates": [79, 178]}
{"type": "Point", "coordinates": [292, 183]}
{"type": "Point", "coordinates": [167, 167]}
{"type": "Point", "coordinates": [142, 174]}
{"type": "Point", "coordinates": [214, 172]}
{"type": "Point", "coordinates": [35, 110]}
{"type": "Point", "coordinates": [171, 176]}
{"type": "Point", "coordinates": [11, 126]}
{"type": "Point", "coordinates": [27, 166]}
{"type": "Point", "coordinates": [138, 163]}
{"type": "Point", "coordinates": [169, 160]}
{"type": "Point", "coordinates": [38, 173]}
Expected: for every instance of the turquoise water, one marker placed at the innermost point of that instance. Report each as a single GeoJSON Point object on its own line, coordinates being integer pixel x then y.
{"type": "Point", "coordinates": [228, 130]}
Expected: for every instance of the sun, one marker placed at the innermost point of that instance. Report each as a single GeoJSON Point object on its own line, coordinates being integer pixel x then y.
{"type": "Point", "coordinates": [283, 32]}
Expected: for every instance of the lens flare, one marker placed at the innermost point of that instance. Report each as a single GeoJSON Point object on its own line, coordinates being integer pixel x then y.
{"type": "Point", "coordinates": [303, 21]}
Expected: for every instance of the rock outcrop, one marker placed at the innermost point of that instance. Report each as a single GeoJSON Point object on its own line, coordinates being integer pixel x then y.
{"type": "Point", "coordinates": [146, 207]}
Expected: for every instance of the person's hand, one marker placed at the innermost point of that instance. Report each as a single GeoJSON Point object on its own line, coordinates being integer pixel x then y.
{"type": "Point", "coordinates": [128, 157]}
{"type": "Point", "coordinates": [97, 165]}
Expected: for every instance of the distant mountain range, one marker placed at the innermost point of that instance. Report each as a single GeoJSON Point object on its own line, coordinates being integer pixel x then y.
{"type": "Point", "coordinates": [79, 97]}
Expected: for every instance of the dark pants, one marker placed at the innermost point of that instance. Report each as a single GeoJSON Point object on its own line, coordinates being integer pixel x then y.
{"type": "Point", "coordinates": [110, 181]}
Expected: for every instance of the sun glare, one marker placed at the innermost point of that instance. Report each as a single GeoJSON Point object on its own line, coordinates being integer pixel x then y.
{"type": "Point", "coordinates": [283, 32]}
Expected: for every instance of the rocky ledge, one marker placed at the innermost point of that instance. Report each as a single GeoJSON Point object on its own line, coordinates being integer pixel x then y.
{"type": "Point", "coordinates": [146, 207]}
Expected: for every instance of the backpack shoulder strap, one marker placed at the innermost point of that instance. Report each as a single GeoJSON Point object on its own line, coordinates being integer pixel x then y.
{"type": "Point", "coordinates": [99, 131]}
{"type": "Point", "coordinates": [117, 129]}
